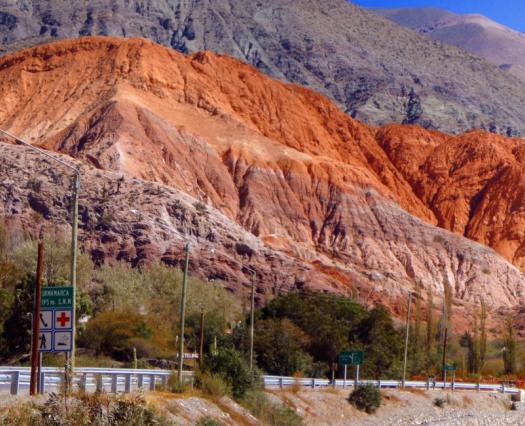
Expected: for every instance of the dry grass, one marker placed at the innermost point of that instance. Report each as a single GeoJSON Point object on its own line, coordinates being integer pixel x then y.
{"type": "Point", "coordinates": [390, 397]}
{"type": "Point", "coordinates": [467, 401]}
{"type": "Point", "coordinates": [416, 391]}
{"type": "Point", "coordinates": [297, 385]}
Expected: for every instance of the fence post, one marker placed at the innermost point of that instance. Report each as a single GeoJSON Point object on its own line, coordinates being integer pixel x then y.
{"type": "Point", "coordinates": [428, 383]}
{"type": "Point", "coordinates": [478, 387]}
{"type": "Point", "coordinates": [99, 382]}
{"type": "Point", "coordinates": [379, 383]}
{"type": "Point", "coordinates": [313, 383]}
{"type": "Point", "coordinates": [114, 382]}
{"type": "Point", "coordinates": [42, 382]}
{"type": "Point", "coordinates": [280, 382]}
{"type": "Point", "coordinates": [15, 382]}
{"type": "Point", "coordinates": [152, 382]}
{"type": "Point", "coordinates": [140, 380]}
{"type": "Point", "coordinates": [164, 381]}
{"type": "Point", "coordinates": [83, 382]}
{"type": "Point", "coordinates": [127, 383]}
{"type": "Point", "coordinates": [503, 388]}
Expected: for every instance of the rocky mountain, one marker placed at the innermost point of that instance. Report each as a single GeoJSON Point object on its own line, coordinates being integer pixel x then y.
{"type": "Point", "coordinates": [375, 70]}
{"type": "Point", "coordinates": [475, 33]}
{"type": "Point", "coordinates": [252, 171]}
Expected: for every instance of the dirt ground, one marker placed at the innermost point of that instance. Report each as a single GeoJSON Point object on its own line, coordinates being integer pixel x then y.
{"type": "Point", "coordinates": [416, 407]}
{"type": "Point", "coordinates": [330, 408]}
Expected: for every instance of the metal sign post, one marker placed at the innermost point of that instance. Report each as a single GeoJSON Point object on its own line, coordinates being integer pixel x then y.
{"type": "Point", "coordinates": [354, 358]}
{"type": "Point", "coordinates": [449, 367]}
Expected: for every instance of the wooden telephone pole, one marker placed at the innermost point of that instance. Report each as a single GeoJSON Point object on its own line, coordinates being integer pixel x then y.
{"type": "Point", "coordinates": [36, 319]}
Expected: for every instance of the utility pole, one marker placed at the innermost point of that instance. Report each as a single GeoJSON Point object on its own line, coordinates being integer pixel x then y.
{"type": "Point", "coordinates": [183, 311]}
{"type": "Point", "coordinates": [73, 273]}
{"type": "Point", "coordinates": [445, 331]}
{"type": "Point", "coordinates": [36, 319]}
{"type": "Point", "coordinates": [252, 317]}
{"type": "Point", "coordinates": [406, 340]}
{"type": "Point", "coordinates": [445, 354]}
{"type": "Point", "coordinates": [201, 342]}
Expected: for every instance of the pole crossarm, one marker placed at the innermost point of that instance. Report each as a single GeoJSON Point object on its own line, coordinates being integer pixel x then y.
{"type": "Point", "coordinates": [40, 151]}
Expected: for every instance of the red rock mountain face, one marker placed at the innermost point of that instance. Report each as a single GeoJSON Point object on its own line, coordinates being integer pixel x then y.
{"type": "Point", "coordinates": [354, 205]}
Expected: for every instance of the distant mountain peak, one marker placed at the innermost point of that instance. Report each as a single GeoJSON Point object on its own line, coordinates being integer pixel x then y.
{"type": "Point", "coordinates": [473, 32]}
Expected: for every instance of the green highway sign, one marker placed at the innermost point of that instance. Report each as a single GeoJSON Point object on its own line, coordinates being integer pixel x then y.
{"type": "Point", "coordinates": [57, 297]}
{"type": "Point", "coordinates": [351, 358]}
{"type": "Point", "coordinates": [450, 367]}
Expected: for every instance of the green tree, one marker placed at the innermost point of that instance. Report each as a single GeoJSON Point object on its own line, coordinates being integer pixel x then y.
{"type": "Point", "coordinates": [509, 348]}
{"type": "Point", "coordinates": [116, 333]}
{"type": "Point", "coordinates": [430, 355]}
{"type": "Point", "coordinates": [382, 342]}
{"type": "Point", "coordinates": [467, 341]}
{"type": "Point", "coordinates": [281, 347]}
{"type": "Point", "coordinates": [331, 321]}
{"type": "Point", "coordinates": [16, 335]}
{"type": "Point", "coordinates": [215, 330]}
{"type": "Point", "coordinates": [483, 333]}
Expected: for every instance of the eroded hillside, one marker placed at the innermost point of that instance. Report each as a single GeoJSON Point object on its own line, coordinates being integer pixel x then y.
{"type": "Point", "coordinates": [269, 174]}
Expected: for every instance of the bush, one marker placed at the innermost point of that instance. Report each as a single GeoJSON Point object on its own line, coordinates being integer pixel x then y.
{"type": "Point", "coordinates": [213, 385]}
{"type": "Point", "coordinates": [441, 402]}
{"type": "Point", "coordinates": [209, 421]}
{"type": "Point", "coordinates": [269, 412]}
{"type": "Point", "coordinates": [366, 398]}
{"type": "Point", "coordinates": [233, 368]}
{"type": "Point", "coordinates": [174, 385]}
{"type": "Point", "coordinates": [116, 333]}
{"type": "Point", "coordinates": [96, 409]}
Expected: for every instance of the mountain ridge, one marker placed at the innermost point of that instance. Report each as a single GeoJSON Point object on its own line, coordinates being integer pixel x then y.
{"type": "Point", "coordinates": [474, 33]}
{"type": "Point", "coordinates": [372, 68]}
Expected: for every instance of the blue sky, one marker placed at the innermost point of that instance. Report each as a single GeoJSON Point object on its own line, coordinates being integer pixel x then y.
{"type": "Point", "coordinates": [507, 12]}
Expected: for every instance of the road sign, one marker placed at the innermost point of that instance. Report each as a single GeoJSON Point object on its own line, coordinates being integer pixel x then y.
{"type": "Point", "coordinates": [62, 341]}
{"type": "Point", "coordinates": [351, 358]}
{"type": "Point", "coordinates": [450, 367]}
{"type": "Point", "coordinates": [46, 320]}
{"type": "Point", "coordinates": [56, 319]}
{"type": "Point", "coordinates": [57, 297]}
{"type": "Point", "coordinates": [63, 319]}
{"type": "Point", "coordinates": [45, 341]}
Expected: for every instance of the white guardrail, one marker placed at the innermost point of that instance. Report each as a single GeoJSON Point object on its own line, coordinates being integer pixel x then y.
{"type": "Point", "coordinates": [113, 380]}
{"type": "Point", "coordinates": [13, 379]}
{"type": "Point", "coordinates": [284, 382]}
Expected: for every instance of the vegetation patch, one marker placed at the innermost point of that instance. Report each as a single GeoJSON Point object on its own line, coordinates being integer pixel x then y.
{"type": "Point", "coordinates": [366, 398]}
{"type": "Point", "coordinates": [269, 412]}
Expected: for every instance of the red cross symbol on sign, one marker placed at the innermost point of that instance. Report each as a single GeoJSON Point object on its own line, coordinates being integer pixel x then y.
{"type": "Point", "coordinates": [63, 319]}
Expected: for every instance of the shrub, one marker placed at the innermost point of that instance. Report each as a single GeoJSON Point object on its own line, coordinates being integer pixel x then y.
{"type": "Point", "coordinates": [96, 409]}
{"type": "Point", "coordinates": [440, 402]}
{"type": "Point", "coordinates": [269, 412]}
{"type": "Point", "coordinates": [213, 385]}
{"type": "Point", "coordinates": [116, 333]}
{"type": "Point", "coordinates": [366, 398]}
{"type": "Point", "coordinates": [200, 207]}
{"type": "Point", "coordinates": [233, 368]}
{"type": "Point", "coordinates": [209, 421]}
{"type": "Point", "coordinates": [174, 385]}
